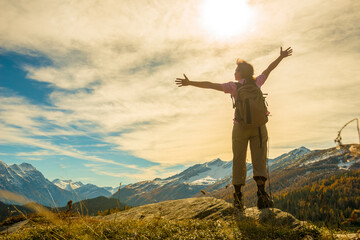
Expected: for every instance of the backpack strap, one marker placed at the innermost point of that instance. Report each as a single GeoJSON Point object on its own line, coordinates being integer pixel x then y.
{"type": "Point", "coordinates": [238, 85]}
{"type": "Point", "coordinates": [260, 136]}
{"type": "Point", "coordinates": [233, 101]}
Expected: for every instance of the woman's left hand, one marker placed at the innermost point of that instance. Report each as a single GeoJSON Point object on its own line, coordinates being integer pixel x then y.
{"type": "Point", "coordinates": [286, 53]}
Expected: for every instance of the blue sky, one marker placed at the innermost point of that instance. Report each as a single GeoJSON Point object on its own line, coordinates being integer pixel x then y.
{"type": "Point", "coordinates": [55, 164]}
{"type": "Point", "coordinates": [87, 88]}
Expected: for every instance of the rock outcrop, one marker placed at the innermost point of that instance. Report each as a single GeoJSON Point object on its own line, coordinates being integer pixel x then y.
{"type": "Point", "coordinates": [203, 208]}
{"type": "Point", "coordinates": [189, 208]}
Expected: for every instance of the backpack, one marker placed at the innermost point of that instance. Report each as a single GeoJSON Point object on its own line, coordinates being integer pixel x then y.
{"type": "Point", "coordinates": [250, 106]}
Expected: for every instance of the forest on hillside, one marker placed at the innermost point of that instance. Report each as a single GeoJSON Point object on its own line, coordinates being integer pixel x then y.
{"type": "Point", "coordinates": [334, 202]}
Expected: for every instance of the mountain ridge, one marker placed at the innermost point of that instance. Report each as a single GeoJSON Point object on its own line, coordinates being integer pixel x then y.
{"type": "Point", "coordinates": [212, 176]}
{"type": "Point", "coordinates": [27, 181]}
{"type": "Point", "coordinates": [191, 181]}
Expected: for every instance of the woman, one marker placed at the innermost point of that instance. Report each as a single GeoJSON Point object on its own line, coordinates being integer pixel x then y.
{"type": "Point", "coordinates": [241, 135]}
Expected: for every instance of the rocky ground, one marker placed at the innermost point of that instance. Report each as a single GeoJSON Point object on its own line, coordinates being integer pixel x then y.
{"type": "Point", "coordinates": [207, 208]}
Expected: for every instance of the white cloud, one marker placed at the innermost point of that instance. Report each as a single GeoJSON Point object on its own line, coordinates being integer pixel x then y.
{"type": "Point", "coordinates": [19, 126]}
{"type": "Point", "coordinates": [68, 77]}
{"type": "Point", "coordinates": [140, 175]}
{"type": "Point", "coordinates": [36, 153]}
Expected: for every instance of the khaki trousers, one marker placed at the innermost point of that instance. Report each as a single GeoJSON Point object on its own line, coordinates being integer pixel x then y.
{"type": "Point", "coordinates": [258, 149]}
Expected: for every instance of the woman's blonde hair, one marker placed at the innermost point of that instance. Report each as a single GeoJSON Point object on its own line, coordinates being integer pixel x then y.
{"type": "Point", "coordinates": [246, 70]}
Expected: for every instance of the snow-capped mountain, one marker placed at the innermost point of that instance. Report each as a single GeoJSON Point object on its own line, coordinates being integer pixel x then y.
{"type": "Point", "coordinates": [203, 174]}
{"type": "Point", "coordinates": [27, 181]}
{"type": "Point", "coordinates": [182, 185]}
{"type": "Point", "coordinates": [112, 190]}
{"type": "Point", "coordinates": [288, 158]}
{"type": "Point", "coordinates": [68, 185]}
{"type": "Point", "coordinates": [84, 191]}
{"type": "Point", "coordinates": [215, 175]}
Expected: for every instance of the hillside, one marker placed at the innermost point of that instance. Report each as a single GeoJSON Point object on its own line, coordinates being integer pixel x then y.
{"type": "Point", "coordinates": [91, 207]}
{"type": "Point", "coordinates": [207, 208]}
{"type": "Point", "coordinates": [88, 207]}
{"type": "Point", "coordinates": [7, 210]}
{"type": "Point", "coordinates": [193, 218]}
{"type": "Point", "coordinates": [332, 200]}
{"type": "Point", "coordinates": [295, 173]}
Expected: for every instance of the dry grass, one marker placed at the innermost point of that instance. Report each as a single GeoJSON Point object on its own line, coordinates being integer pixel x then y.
{"type": "Point", "coordinates": [91, 228]}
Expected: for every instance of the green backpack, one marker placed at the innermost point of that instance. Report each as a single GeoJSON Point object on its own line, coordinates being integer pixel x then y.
{"type": "Point", "coordinates": [250, 106]}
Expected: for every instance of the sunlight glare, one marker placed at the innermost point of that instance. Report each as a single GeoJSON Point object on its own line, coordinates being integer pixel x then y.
{"type": "Point", "coordinates": [226, 18]}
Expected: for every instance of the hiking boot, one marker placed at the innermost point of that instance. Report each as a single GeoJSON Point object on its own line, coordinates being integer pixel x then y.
{"type": "Point", "coordinates": [264, 200]}
{"type": "Point", "coordinates": [238, 202]}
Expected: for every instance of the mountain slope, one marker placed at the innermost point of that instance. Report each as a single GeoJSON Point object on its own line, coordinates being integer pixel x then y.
{"type": "Point", "coordinates": [286, 171]}
{"type": "Point", "coordinates": [332, 200]}
{"type": "Point", "coordinates": [94, 205]}
{"type": "Point", "coordinates": [84, 191]}
{"type": "Point", "coordinates": [183, 185]}
{"type": "Point", "coordinates": [298, 172]}
{"type": "Point", "coordinates": [7, 210]}
{"type": "Point", "coordinates": [287, 158]}
{"type": "Point", "coordinates": [27, 181]}
{"type": "Point", "coordinates": [68, 185]}
{"type": "Point", "coordinates": [203, 174]}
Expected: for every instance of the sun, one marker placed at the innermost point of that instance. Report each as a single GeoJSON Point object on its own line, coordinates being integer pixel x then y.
{"type": "Point", "coordinates": [226, 18]}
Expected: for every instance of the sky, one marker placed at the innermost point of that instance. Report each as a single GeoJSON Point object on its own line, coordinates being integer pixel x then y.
{"type": "Point", "coordinates": [88, 88]}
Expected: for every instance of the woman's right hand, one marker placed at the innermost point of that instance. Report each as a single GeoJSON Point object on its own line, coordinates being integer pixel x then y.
{"type": "Point", "coordinates": [182, 81]}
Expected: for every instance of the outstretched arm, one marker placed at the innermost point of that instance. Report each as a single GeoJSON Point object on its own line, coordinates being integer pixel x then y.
{"type": "Point", "coordinates": [273, 65]}
{"type": "Point", "coordinates": [186, 82]}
